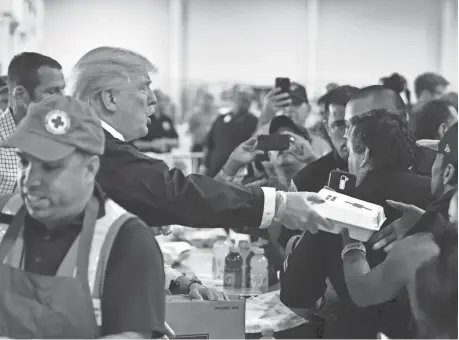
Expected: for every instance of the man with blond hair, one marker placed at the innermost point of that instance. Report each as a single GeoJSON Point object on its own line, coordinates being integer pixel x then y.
{"type": "Point", "coordinates": [116, 83]}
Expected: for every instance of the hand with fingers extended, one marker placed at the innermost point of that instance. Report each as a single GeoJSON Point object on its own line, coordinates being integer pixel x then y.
{"type": "Point", "coordinates": [302, 150]}
{"type": "Point", "coordinates": [243, 155]}
{"type": "Point", "coordinates": [273, 102]}
{"type": "Point", "coordinates": [385, 238]}
{"type": "Point", "coordinates": [200, 292]}
{"type": "Point", "coordinates": [295, 210]}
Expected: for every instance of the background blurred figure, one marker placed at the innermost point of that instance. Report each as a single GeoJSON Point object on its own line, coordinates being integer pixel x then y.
{"type": "Point", "coordinates": [230, 130]}
{"type": "Point", "coordinates": [427, 86]}
{"type": "Point", "coordinates": [432, 122]}
{"type": "Point", "coordinates": [331, 86]}
{"type": "Point", "coordinates": [201, 121]}
{"type": "Point", "coordinates": [3, 94]}
{"type": "Point", "coordinates": [434, 119]}
{"type": "Point", "coordinates": [162, 136]}
{"type": "Point", "coordinates": [299, 108]}
{"type": "Point", "coordinates": [451, 98]}
{"type": "Point", "coordinates": [398, 84]}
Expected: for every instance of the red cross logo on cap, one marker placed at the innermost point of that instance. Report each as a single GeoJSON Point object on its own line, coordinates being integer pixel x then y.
{"type": "Point", "coordinates": [57, 122]}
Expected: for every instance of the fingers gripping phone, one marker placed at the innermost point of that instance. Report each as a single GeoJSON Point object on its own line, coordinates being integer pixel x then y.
{"type": "Point", "coordinates": [342, 182]}
{"type": "Point", "coordinates": [274, 142]}
{"type": "Point", "coordinates": [283, 84]}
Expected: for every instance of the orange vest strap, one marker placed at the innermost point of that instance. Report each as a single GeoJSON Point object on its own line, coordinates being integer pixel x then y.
{"type": "Point", "coordinates": [105, 253]}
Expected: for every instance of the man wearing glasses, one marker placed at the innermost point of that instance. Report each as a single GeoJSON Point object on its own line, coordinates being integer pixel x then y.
{"type": "Point", "coordinates": [315, 175]}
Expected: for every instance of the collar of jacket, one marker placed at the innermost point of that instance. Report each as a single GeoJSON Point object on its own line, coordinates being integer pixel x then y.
{"type": "Point", "coordinates": [112, 131]}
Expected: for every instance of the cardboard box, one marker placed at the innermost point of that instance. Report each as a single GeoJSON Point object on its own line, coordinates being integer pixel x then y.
{"type": "Point", "coordinates": [361, 218]}
{"type": "Point", "coordinates": [191, 319]}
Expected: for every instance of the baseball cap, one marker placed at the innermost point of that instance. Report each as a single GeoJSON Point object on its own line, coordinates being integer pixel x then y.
{"type": "Point", "coordinates": [55, 127]}
{"type": "Point", "coordinates": [447, 146]}
{"type": "Point", "coordinates": [298, 94]}
{"type": "Point", "coordinates": [286, 122]}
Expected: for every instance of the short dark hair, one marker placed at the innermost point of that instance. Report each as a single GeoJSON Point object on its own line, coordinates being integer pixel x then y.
{"type": "Point", "coordinates": [338, 96]}
{"type": "Point", "coordinates": [428, 81]}
{"type": "Point", "coordinates": [430, 117]}
{"type": "Point", "coordinates": [379, 90]}
{"type": "Point", "coordinates": [23, 68]}
{"type": "Point", "coordinates": [386, 135]}
{"type": "Point", "coordinates": [436, 285]}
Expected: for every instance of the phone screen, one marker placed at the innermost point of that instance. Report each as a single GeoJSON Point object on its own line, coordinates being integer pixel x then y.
{"type": "Point", "coordinates": [274, 142]}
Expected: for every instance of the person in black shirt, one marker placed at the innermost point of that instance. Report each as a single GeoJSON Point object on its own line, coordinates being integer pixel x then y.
{"type": "Point", "coordinates": [443, 186]}
{"type": "Point", "coordinates": [315, 175]}
{"type": "Point", "coordinates": [230, 130]}
{"type": "Point", "coordinates": [162, 136]}
{"type": "Point", "coordinates": [317, 257]}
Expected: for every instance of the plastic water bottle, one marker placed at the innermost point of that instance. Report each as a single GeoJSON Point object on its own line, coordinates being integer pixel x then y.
{"type": "Point", "coordinates": [219, 251]}
{"type": "Point", "coordinates": [244, 248]}
{"type": "Point", "coordinates": [259, 271]}
{"type": "Point", "coordinates": [233, 269]}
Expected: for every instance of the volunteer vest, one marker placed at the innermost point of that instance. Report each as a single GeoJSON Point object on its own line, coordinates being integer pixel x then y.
{"type": "Point", "coordinates": [105, 231]}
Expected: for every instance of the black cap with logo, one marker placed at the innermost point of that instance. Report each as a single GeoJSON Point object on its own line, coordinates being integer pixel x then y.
{"type": "Point", "coordinates": [447, 146]}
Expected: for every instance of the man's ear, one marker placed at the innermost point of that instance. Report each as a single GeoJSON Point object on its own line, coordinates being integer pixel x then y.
{"type": "Point", "coordinates": [92, 165]}
{"type": "Point", "coordinates": [442, 130]}
{"type": "Point", "coordinates": [366, 161]}
{"type": "Point", "coordinates": [21, 96]}
{"type": "Point", "coordinates": [108, 100]}
{"type": "Point", "coordinates": [448, 174]}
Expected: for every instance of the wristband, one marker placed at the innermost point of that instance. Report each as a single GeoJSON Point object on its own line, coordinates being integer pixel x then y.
{"type": "Point", "coordinates": [193, 281]}
{"type": "Point", "coordinates": [353, 246]}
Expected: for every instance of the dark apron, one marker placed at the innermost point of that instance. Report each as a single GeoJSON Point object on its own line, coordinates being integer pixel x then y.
{"type": "Point", "coordinates": [39, 306]}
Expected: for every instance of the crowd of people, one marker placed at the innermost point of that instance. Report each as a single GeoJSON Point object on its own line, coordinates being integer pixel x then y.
{"type": "Point", "coordinates": [81, 203]}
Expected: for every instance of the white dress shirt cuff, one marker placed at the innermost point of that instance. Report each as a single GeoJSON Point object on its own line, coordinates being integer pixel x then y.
{"type": "Point", "coordinates": [269, 208]}
{"type": "Point", "coordinates": [171, 274]}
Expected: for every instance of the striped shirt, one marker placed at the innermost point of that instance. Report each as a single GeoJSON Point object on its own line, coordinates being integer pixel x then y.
{"type": "Point", "coordinates": [8, 157]}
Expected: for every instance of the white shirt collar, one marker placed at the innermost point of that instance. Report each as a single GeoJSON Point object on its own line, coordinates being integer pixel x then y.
{"type": "Point", "coordinates": [111, 130]}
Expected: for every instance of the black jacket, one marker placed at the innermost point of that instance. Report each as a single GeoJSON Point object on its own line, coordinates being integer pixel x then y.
{"type": "Point", "coordinates": [318, 257]}
{"type": "Point", "coordinates": [224, 136]}
{"type": "Point", "coordinates": [159, 196]}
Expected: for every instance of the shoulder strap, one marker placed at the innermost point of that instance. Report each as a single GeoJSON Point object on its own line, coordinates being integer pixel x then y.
{"type": "Point", "coordinates": [4, 200]}
{"type": "Point", "coordinates": [105, 254]}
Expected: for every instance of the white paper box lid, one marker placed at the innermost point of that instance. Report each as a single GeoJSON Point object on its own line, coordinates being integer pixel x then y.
{"type": "Point", "coordinates": [350, 211]}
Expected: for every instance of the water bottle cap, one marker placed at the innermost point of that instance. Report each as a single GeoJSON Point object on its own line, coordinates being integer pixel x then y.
{"type": "Point", "coordinates": [234, 249]}
{"type": "Point", "coordinates": [259, 251]}
{"type": "Point", "coordinates": [244, 244]}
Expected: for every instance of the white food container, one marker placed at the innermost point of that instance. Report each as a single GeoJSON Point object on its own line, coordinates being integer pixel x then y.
{"type": "Point", "coordinates": [361, 218]}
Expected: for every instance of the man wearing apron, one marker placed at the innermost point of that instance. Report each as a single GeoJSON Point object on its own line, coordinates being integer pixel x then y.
{"type": "Point", "coordinates": [73, 264]}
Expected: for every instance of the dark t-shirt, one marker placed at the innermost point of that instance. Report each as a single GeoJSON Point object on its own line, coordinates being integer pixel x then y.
{"type": "Point", "coordinates": [160, 127]}
{"type": "Point", "coordinates": [226, 134]}
{"type": "Point", "coordinates": [133, 298]}
{"type": "Point", "coordinates": [314, 176]}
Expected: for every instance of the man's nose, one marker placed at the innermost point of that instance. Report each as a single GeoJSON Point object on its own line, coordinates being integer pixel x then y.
{"type": "Point", "coordinates": [31, 176]}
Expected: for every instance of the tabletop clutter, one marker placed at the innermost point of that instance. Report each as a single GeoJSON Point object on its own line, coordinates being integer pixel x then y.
{"type": "Point", "coordinates": [241, 270]}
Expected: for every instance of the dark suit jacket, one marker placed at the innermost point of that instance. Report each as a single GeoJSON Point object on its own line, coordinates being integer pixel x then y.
{"type": "Point", "coordinates": [159, 196]}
